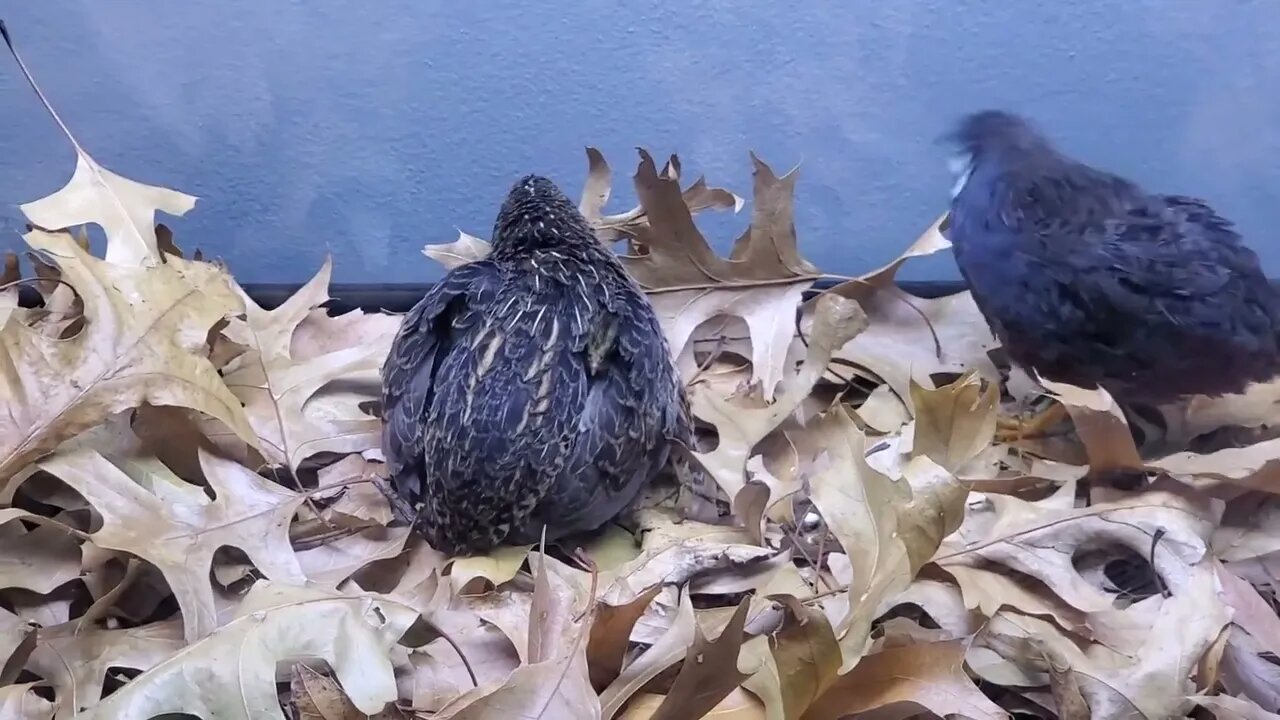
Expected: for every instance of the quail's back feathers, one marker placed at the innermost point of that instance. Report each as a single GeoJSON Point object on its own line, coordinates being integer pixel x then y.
{"type": "Point", "coordinates": [1088, 279]}
{"type": "Point", "coordinates": [531, 388]}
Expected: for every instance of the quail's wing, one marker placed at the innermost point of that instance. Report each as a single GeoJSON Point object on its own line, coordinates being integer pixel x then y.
{"type": "Point", "coordinates": [409, 372]}
{"type": "Point", "coordinates": [633, 408]}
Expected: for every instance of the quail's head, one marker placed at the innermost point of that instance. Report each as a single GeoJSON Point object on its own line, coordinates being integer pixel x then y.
{"type": "Point", "coordinates": [536, 211]}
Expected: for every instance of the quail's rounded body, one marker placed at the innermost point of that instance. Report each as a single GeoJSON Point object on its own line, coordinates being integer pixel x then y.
{"type": "Point", "coordinates": [1089, 280]}
{"type": "Point", "coordinates": [532, 389]}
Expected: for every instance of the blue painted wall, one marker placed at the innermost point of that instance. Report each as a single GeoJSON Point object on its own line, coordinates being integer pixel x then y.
{"type": "Point", "coordinates": [367, 128]}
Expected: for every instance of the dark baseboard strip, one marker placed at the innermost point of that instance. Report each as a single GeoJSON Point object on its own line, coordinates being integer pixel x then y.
{"type": "Point", "coordinates": [399, 298]}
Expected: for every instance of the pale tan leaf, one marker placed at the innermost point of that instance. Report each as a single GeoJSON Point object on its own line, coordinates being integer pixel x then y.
{"type": "Point", "coordinates": [899, 345]}
{"type": "Point", "coordinates": [737, 705]}
{"type": "Point", "coordinates": [14, 633]}
{"type": "Point", "coordinates": [956, 422]}
{"type": "Point", "coordinates": [498, 567]}
{"type": "Point", "coordinates": [439, 675]}
{"type": "Point", "coordinates": [76, 662]}
{"type": "Point", "coordinates": [466, 249]}
{"type": "Point", "coordinates": [555, 683]}
{"type": "Point", "coordinates": [143, 341]}
{"type": "Point", "coordinates": [988, 591]}
{"type": "Point", "coordinates": [330, 564]}
{"type": "Point", "coordinates": [860, 506]}
{"type": "Point", "coordinates": [275, 624]}
{"type": "Point", "coordinates": [40, 559]}
{"type": "Point", "coordinates": [124, 208]}
{"type": "Point", "coordinates": [1249, 610]}
{"type": "Point", "coordinates": [769, 312]}
{"type": "Point", "coordinates": [279, 391]}
{"type": "Point", "coordinates": [321, 333]}
{"type": "Point", "coordinates": [741, 428]}
{"type": "Point", "coordinates": [1041, 541]}
{"type": "Point", "coordinates": [20, 702]}
{"type": "Point", "coordinates": [1155, 680]}
{"type": "Point", "coordinates": [180, 534]}
{"type": "Point", "coordinates": [319, 697]}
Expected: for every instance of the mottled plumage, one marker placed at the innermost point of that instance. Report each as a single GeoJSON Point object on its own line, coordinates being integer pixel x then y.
{"type": "Point", "coordinates": [533, 387]}
{"type": "Point", "coordinates": [1090, 280]}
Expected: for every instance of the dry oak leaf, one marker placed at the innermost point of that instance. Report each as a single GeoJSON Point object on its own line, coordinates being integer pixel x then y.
{"type": "Point", "coordinates": [275, 623]}
{"type": "Point", "coordinates": [555, 682]}
{"type": "Point", "coordinates": [76, 661]}
{"type": "Point", "coordinates": [40, 560]}
{"type": "Point", "coordinates": [711, 670]}
{"type": "Point", "coordinates": [878, 521]}
{"type": "Point", "coordinates": [319, 697]}
{"type": "Point", "coordinates": [1155, 681]}
{"type": "Point", "coordinates": [144, 340]}
{"type": "Point", "coordinates": [836, 320]}
{"type": "Point", "coordinates": [807, 657]}
{"type": "Point", "coordinates": [912, 337]}
{"type": "Point", "coordinates": [20, 702]}
{"type": "Point", "coordinates": [598, 186]}
{"type": "Point", "coordinates": [912, 678]}
{"type": "Point", "coordinates": [665, 652]}
{"type": "Point", "coordinates": [178, 529]}
{"type": "Point", "coordinates": [279, 392]}
{"type": "Point", "coordinates": [1040, 539]}
{"type": "Point", "coordinates": [678, 256]}
{"type": "Point", "coordinates": [124, 208]}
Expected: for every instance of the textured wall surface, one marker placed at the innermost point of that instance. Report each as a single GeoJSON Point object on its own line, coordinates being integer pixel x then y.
{"type": "Point", "coordinates": [365, 129]}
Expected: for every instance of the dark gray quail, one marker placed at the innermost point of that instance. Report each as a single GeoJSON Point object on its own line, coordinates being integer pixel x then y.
{"type": "Point", "coordinates": [531, 388]}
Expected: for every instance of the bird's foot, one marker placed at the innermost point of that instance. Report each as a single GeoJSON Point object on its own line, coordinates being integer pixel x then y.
{"type": "Point", "coordinates": [1013, 429]}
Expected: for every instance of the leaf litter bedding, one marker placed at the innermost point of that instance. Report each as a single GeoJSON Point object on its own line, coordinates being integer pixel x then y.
{"type": "Point", "coordinates": [191, 520]}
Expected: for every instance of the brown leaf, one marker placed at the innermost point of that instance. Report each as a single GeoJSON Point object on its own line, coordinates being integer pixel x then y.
{"type": "Point", "coordinates": [610, 636]}
{"type": "Point", "coordinates": [130, 352]}
{"type": "Point", "coordinates": [679, 256]}
{"type": "Point", "coordinates": [808, 658]}
{"type": "Point", "coordinates": [927, 676]}
{"type": "Point", "coordinates": [710, 672]}
{"type": "Point", "coordinates": [1226, 707]}
{"type": "Point", "coordinates": [1101, 427]}
{"type": "Point", "coordinates": [664, 653]}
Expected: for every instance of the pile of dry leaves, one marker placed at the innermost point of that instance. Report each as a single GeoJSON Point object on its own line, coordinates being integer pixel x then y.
{"type": "Point", "coordinates": [191, 520]}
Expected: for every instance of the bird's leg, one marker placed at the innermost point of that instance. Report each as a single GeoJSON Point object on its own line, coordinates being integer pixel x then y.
{"type": "Point", "coordinates": [1018, 428]}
